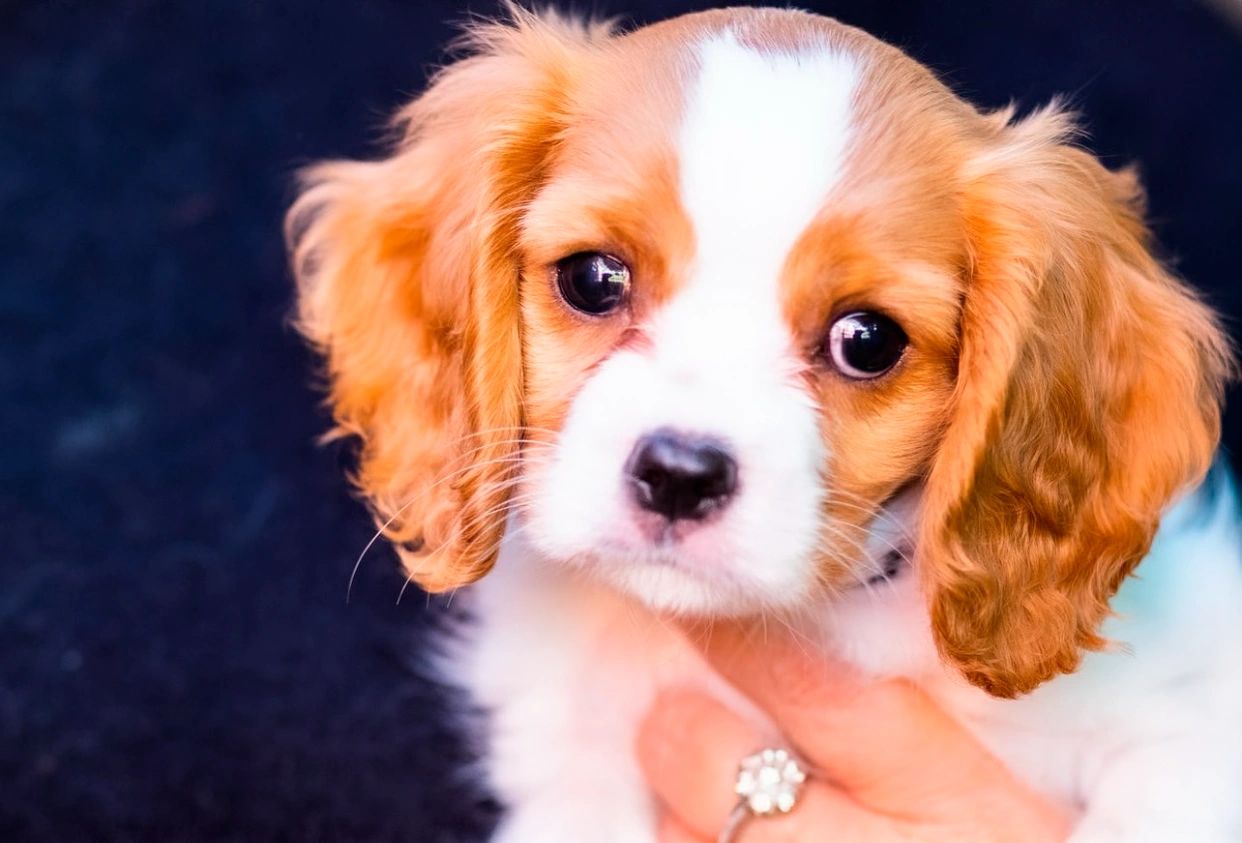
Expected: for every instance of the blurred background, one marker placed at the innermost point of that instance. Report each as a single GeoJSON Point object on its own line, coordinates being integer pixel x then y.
{"type": "Point", "coordinates": [177, 659]}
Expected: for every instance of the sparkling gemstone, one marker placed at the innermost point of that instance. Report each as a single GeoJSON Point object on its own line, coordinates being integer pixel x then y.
{"type": "Point", "coordinates": [769, 781]}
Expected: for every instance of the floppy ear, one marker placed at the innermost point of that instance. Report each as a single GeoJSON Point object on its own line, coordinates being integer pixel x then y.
{"type": "Point", "coordinates": [1088, 396]}
{"type": "Point", "coordinates": [408, 284]}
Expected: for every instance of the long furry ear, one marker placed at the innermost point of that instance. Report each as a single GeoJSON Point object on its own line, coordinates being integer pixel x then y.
{"type": "Point", "coordinates": [408, 285]}
{"type": "Point", "coordinates": [1088, 396]}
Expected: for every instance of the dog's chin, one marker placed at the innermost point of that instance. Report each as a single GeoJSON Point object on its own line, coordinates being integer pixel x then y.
{"type": "Point", "coordinates": [700, 574]}
{"type": "Point", "coordinates": [668, 588]}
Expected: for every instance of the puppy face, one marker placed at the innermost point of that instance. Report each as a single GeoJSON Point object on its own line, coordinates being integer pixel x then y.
{"type": "Point", "coordinates": [687, 308]}
{"type": "Point", "coordinates": [707, 448]}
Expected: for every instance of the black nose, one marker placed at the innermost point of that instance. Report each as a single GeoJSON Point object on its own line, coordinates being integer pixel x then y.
{"type": "Point", "coordinates": [681, 476]}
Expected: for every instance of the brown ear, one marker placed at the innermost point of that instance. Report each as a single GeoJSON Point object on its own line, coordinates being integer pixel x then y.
{"type": "Point", "coordinates": [1088, 396]}
{"type": "Point", "coordinates": [408, 284]}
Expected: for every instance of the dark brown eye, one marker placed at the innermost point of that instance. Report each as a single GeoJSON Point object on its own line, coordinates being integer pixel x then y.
{"type": "Point", "coordinates": [592, 282]}
{"type": "Point", "coordinates": [865, 345]}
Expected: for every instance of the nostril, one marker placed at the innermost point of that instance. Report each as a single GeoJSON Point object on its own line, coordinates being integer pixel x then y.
{"type": "Point", "coordinates": [681, 476]}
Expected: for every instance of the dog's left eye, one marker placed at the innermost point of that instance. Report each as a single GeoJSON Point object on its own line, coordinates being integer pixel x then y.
{"type": "Point", "coordinates": [592, 282]}
{"type": "Point", "coordinates": [865, 345]}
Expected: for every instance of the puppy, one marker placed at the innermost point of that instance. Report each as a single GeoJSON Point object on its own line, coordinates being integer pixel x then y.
{"type": "Point", "coordinates": [746, 314]}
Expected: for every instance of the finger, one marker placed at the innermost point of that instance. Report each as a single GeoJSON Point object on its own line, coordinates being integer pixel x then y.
{"type": "Point", "coordinates": [672, 830]}
{"type": "Point", "coordinates": [689, 748]}
{"type": "Point", "coordinates": [822, 813]}
{"type": "Point", "coordinates": [884, 743]}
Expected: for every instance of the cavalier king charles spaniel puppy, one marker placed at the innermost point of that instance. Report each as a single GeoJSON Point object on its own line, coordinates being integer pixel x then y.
{"type": "Point", "coordinates": [746, 314]}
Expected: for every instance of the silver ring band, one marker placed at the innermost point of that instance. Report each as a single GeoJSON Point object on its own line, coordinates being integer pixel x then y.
{"type": "Point", "coordinates": [739, 815]}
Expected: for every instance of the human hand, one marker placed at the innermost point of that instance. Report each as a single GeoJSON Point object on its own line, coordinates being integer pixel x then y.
{"type": "Point", "coordinates": [889, 765]}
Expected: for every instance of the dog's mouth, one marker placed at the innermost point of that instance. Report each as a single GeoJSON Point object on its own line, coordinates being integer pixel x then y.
{"type": "Point", "coordinates": [665, 535]}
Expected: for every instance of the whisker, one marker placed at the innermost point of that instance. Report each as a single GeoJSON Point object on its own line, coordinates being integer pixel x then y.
{"type": "Point", "coordinates": [863, 556]}
{"type": "Point", "coordinates": [453, 592]}
{"type": "Point", "coordinates": [894, 549]}
{"type": "Point", "coordinates": [502, 508]}
{"type": "Point", "coordinates": [514, 459]}
{"type": "Point", "coordinates": [877, 515]}
{"type": "Point", "coordinates": [409, 578]}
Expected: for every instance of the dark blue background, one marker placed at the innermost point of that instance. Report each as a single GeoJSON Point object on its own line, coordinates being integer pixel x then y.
{"type": "Point", "coordinates": [177, 661]}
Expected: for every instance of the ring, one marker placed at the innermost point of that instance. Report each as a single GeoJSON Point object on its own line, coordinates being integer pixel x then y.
{"type": "Point", "coordinates": [768, 783]}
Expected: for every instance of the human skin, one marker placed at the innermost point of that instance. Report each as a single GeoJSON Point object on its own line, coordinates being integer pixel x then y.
{"type": "Point", "coordinates": [889, 764]}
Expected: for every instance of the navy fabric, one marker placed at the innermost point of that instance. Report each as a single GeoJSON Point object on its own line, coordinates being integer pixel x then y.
{"type": "Point", "coordinates": [177, 659]}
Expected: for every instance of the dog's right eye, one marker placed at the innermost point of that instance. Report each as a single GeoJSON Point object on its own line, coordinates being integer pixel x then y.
{"type": "Point", "coordinates": [592, 282]}
{"type": "Point", "coordinates": [865, 345]}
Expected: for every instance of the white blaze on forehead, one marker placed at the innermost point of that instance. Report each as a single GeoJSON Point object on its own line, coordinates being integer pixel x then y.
{"type": "Point", "coordinates": [761, 145]}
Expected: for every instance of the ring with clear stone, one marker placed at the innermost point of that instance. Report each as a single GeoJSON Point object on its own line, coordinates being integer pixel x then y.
{"type": "Point", "coordinates": [767, 784]}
